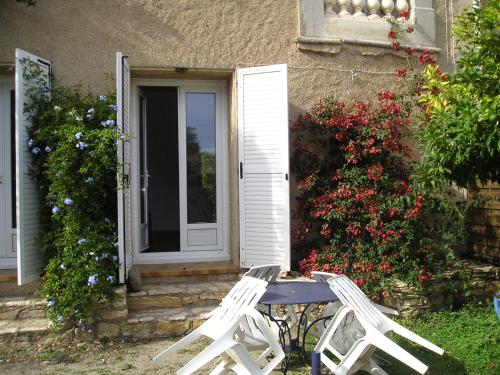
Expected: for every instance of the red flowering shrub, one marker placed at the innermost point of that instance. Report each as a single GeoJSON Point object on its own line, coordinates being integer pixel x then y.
{"type": "Point", "coordinates": [357, 212]}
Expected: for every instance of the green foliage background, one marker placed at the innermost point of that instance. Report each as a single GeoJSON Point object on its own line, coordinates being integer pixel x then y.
{"type": "Point", "coordinates": [461, 137]}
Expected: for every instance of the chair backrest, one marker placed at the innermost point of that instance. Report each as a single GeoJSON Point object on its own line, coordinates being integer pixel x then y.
{"type": "Point", "coordinates": [267, 272]}
{"type": "Point", "coordinates": [245, 294]}
{"type": "Point", "coordinates": [322, 277]}
{"type": "Point", "coordinates": [350, 294]}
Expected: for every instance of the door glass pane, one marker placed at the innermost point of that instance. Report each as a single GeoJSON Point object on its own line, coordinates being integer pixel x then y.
{"type": "Point", "coordinates": [142, 158]}
{"type": "Point", "coordinates": [200, 157]}
{"type": "Point", "coordinates": [13, 157]}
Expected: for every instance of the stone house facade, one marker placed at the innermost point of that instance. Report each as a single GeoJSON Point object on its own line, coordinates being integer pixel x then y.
{"type": "Point", "coordinates": [221, 82]}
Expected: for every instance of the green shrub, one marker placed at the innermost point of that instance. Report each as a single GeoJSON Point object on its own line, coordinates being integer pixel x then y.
{"type": "Point", "coordinates": [73, 142]}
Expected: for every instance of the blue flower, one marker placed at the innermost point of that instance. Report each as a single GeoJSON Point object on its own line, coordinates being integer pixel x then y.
{"type": "Point", "coordinates": [68, 202]}
{"type": "Point", "coordinates": [35, 150]}
{"type": "Point", "coordinates": [62, 266]}
{"type": "Point", "coordinates": [107, 123]}
{"type": "Point", "coordinates": [77, 311]}
{"type": "Point", "coordinates": [51, 302]}
{"type": "Point", "coordinates": [115, 244]}
{"type": "Point", "coordinates": [110, 278]}
{"type": "Point", "coordinates": [115, 258]}
{"type": "Point", "coordinates": [55, 210]}
{"type": "Point", "coordinates": [82, 241]}
{"type": "Point", "coordinates": [79, 135]}
{"type": "Point", "coordinates": [104, 255]}
{"type": "Point", "coordinates": [97, 259]}
{"type": "Point", "coordinates": [81, 145]}
{"type": "Point", "coordinates": [102, 97]}
{"type": "Point", "coordinates": [92, 280]}
{"type": "Point", "coordinates": [60, 319]}
{"type": "Point", "coordinates": [114, 107]}
{"type": "Point", "coordinates": [89, 180]}
{"type": "Point", "coordinates": [106, 220]}
{"type": "Point", "coordinates": [57, 108]}
{"type": "Point", "coordinates": [48, 150]}
{"type": "Point", "coordinates": [91, 110]}
{"type": "Point", "coordinates": [30, 143]}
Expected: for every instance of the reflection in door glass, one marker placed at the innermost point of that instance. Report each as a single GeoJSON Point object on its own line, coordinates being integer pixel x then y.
{"type": "Point", "coordinates": [200, 157]}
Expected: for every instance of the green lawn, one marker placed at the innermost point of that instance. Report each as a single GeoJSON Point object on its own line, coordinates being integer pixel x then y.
{"type": "Point", "coordinates": [469, 336]}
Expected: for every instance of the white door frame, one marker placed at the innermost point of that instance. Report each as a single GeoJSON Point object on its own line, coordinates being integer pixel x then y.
{"type": "Point", "coordinates": [207, 255]}
{"type": "Point", "coordinates": [8, 243]}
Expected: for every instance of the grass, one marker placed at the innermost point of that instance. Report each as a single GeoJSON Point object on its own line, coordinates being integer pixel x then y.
{"type": "Point", "coordinates": [470, 337]}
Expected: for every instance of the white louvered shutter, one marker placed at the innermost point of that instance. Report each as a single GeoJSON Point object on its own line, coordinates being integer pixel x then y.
{"type": "Point", "coordinates": [263, 156]}
{"type": "Point", "coordinates": [29, 257]}
{"type": "Point", "coordinates": [123, 191]}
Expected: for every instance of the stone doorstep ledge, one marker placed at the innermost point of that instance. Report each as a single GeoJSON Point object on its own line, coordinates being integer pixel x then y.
{"type": "Point", "coordinates": [178, 295]}
{"type": "Point", "coordinates": [157, 323]}
{"type": "Point", "coordinates": [22, 309]}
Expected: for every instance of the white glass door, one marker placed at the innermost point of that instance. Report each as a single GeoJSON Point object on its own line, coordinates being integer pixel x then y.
{"type": "Point", "coordinates": [200, 161]}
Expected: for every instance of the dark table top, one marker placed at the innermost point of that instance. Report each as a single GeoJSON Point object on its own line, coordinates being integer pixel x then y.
{"type": "Point", "coordinates": [297, 293]}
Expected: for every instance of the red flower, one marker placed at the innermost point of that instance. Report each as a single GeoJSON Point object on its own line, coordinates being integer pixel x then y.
{"type": "Point", "coordinates": [375, 172]}
{"type": "Point", "coordinates": [401, 72]}
{"type": "Point", "coordinates": [387, 95]}
{"type": "Point", "coordinates": [426, 57]}
{"type": "Point", "coordinates": [391, 35]}
{"type": "Point", "coordinates": [395, 46]}
{"type": "Point", "coordinates": [404, 14]}
{"type": "Point", "coordinates": [410, 29]}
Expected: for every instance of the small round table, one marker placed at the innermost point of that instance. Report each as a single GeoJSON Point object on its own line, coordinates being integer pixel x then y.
{"type": "Point", "coordinates": [296, 293]}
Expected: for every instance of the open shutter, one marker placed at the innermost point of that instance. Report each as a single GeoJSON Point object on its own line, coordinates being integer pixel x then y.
{"type": "Point", "coordinates": [29, 257]}
{"type": "Point", "coordinates": [263, 156]}
{"type": "Point", "coordinates": [123, 191]}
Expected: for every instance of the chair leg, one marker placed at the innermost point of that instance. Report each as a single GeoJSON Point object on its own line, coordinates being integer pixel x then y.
{"type": "Point", "coordinates": [193, 336]}
{"type": "Point", "coordinates": [206, 355]}
{"type": "Point", "coordinates": [390, 347]}
{"type": "Point", "coordinates": [405, 332]}
{"type": "Point", "coordinates": [373, 368]}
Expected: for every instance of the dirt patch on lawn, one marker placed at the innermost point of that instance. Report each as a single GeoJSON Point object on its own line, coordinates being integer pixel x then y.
{"type": "Point", "coordinates": [114, 357]}
{"type": "Point", "coordinates": [101, 358]}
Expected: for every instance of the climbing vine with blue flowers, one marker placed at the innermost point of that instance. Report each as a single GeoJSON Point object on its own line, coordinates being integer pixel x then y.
{"type": "Point", "coordinates": [73, 142]}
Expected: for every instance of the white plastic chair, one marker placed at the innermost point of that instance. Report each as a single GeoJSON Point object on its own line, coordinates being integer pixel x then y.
{"type": "Point", "coordinates": [332, 307]}
{"type": "Point", "coordinates": [375, 326]}
{"type": "Point", "coordinates": [226, 328]}
{"type": "Point", "coordinates": [267, 272]}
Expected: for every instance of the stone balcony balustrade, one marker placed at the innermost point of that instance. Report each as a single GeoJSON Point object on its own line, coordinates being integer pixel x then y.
{"type": "Point", "coordinates": [364, 22]}
{"type": "Point", "coordinates": [372, 10]}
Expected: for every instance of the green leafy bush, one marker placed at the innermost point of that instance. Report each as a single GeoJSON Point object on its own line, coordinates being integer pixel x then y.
{"type": "Point", "coordinates": [461, 137]}
{"type": "Point", "coordinates": [73, 142]}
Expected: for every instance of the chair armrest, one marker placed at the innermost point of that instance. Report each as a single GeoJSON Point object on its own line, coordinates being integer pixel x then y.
{"type": "Point", "coordinates": [386, 310]}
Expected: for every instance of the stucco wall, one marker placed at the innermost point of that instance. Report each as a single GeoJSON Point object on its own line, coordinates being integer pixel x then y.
{"type": "Point", "coordinates": [82, 37]}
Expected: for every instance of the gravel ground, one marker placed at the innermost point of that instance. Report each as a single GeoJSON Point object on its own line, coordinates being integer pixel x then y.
{"type": "Point", "coordinates": [96, 358]}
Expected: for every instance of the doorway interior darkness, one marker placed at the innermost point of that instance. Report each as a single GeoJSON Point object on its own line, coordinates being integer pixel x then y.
{"type": "Point", "coordinates": [159, 151]}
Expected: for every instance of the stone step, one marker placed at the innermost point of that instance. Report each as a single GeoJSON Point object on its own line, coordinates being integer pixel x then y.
{"type": "Point", "coordinates": [21, 307]}
{"type": "Point", "coordinates": [165, 322]}
{"type": "Point", "coordinates": [178, 295]}
{"type": "Point", "coordinates": [188, 272]}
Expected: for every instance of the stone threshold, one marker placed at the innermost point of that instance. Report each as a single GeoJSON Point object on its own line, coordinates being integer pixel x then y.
{"type": "Point", "coordinates": [8, 275]}
{"type": "Point", "coordinates": [187, 269]}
